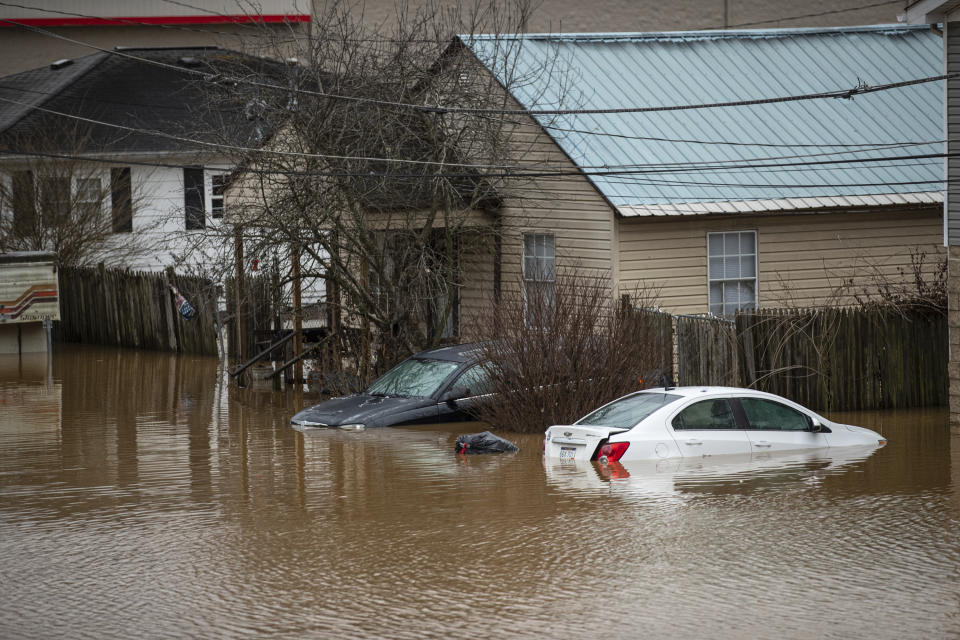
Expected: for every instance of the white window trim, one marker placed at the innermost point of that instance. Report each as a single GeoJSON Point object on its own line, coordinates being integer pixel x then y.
{"type": "Point", "coordinates": [756, 266]}
{"type": "Point", "coordinates": [208, 176]}
{"type": "Point", "coordinates": [530, 278]}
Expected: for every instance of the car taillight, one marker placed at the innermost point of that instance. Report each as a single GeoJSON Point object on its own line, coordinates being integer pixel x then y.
{"type": "Point", "coordinates": [611, 452]}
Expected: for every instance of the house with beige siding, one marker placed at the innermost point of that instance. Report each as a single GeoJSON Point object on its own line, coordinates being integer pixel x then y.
{"type": "Point", "coordinates": [662, 161]}
{"type": "Point", "coordinates": [945, 16]}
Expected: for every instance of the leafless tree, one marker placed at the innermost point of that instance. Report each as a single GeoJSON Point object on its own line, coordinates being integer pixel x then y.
{"type": "Point", "coordinates": [553, 355]}
{"type": "Point", "coordinates": [388, 204]}
{"type": "Point", "coordinates": [55, 196]}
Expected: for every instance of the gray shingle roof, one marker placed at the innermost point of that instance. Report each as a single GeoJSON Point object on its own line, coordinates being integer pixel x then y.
{"type": "Point", "coordinates": [129, 89]}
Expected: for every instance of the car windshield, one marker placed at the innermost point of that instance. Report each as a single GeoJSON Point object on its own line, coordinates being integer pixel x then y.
{"type": "Point", "coordinates": [413, 377]}
{"type": "Point", "coordinates": [627, 412]}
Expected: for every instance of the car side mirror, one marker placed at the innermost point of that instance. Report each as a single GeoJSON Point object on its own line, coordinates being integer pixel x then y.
{"type": "Point", "coordinates": [815, 425]}
{"type": "Point", "coordinates": [452, 395]}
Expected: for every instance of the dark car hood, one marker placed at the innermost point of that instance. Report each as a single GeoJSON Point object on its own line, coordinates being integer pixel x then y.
{"type": "Point", "coordinates": [372, 411]}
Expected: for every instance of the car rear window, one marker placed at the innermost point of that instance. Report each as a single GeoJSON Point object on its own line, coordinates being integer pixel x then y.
{"type": "Point", "coordinates": [627, 412]}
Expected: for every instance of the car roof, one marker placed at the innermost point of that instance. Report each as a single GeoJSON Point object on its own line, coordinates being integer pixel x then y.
{"type": "Point", "coordinates": [692, 392]}
{"type": "Point", "coordinates": [469, 352]}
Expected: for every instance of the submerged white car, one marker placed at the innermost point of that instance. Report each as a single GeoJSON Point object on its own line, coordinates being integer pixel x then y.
{"type": "Point", "coordinates": [688, 422]}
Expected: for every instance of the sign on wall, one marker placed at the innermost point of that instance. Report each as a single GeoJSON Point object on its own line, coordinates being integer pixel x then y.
{"type": "Point", "coordinates": [29, 290]}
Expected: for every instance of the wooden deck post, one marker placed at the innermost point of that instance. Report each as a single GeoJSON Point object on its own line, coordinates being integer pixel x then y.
{"type": "Point", "coordinates": [297, 312]}
{"type": "Point", "coordinates": [240, 316]}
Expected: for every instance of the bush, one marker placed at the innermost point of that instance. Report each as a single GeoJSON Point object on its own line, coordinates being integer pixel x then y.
{"type": "Point", "coordinates": [555, 355]}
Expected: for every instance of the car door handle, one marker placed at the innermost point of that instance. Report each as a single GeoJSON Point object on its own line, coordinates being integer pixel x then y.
{"type": "Point", "coordinates": [762, 443]}
{"type": "Point", "coordinates": [692, 441]}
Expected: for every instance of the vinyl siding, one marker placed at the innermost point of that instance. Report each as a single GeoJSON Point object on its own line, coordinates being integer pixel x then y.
{"type": "Point", "coordinates": [952, 205]}
{"type": "Point", "coordinates": [569, 207]}
{"type": "Point", "coordinates": [802, 260]}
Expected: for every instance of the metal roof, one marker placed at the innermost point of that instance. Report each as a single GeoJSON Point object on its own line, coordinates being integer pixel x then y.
{"type": "Point", "coordinates": [759, 156]}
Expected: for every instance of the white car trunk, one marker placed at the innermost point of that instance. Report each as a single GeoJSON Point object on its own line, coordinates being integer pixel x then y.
{"type": "Point", "coordinates": [574, 443]}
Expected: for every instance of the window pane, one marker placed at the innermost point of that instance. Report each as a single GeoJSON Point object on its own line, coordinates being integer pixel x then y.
{"type": "Point", "coordinates": [528, 245]}
{"type": "Point", "coordinates": [549, 270]}
{"type": "Point", "coordinates": [193, 198]}
{"type": "Point", "coordinates": [88, 189]}
{"type": "Point", "coordinates": [548, 246]}
{"type": "Point", "coordinates": [716, 293]}
{"type": "Point", "coordinates": [716, 268]}
{"type": "Point", "coordinates": [748, 241]}
{"type": "Point", "coordinates": [768, 415]}
{"type": "Point", "coordinates": [529, 267]}
{"type": "Point", "coordinates": [708, 414]}
{"type": "Point", "coordinates": [748, 267]}
{"type": "Point", "coordinates": [731, 243]}
{"type": "Point", "coordinates": [748, 294]}
{"type": "Point", "coordinates": [731, 267]}
{"type": "Point", "coordinates": [715, 243]}
{"type": "Point", "coordinates": [121, 200]}
{"type": "Point", "coordinates": [541, 245]}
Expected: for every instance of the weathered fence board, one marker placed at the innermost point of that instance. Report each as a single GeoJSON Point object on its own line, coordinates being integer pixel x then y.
{"type": "Point", "coordinates": [706, 351]}
{"type": "Point", "coordinates": [661, 328]}
{"type": "Point", "coordinates": [132, 309]}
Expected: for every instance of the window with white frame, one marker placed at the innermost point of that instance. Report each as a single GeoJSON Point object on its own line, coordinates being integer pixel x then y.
{"type": "Point", "coordinates": [218, 182]}
{"type": "Point", "coordinates": [539, 271]}
{"type": "Point", "coordinates": [732, 271]}
{"type": "Point", "coordinates": [88, 195]}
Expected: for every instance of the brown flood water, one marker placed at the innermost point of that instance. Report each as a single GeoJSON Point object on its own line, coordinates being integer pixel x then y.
{"type": "Point", "coordinates": [142, 495]}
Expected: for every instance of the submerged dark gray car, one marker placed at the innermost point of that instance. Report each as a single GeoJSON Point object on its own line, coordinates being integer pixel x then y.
{"type": "Point", "coordinates": [439, 385]}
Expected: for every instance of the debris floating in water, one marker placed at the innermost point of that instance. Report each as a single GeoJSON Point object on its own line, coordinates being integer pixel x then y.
{"type": "Point", "coordinates": [484, 442]}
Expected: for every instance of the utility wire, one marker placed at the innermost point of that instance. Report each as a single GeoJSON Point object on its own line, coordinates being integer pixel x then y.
{"type": "Point", "coordinates": [136, 23]}
{"type": "Point", "coordinates": [863, 146]}
{"type": "Point", "coordinates": [810, 15]}
{"type": "Point", "coordinates": [698, 165]}
{"type": "Point", "coordinates": [508, 174]}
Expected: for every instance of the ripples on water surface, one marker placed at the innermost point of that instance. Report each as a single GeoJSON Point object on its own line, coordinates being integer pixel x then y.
{"type": "Point", "coordinates": [142, 496]}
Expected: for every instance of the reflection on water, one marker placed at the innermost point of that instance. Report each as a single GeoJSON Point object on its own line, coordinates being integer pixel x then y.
{"type": "Point", "coordinates": [143, 495]}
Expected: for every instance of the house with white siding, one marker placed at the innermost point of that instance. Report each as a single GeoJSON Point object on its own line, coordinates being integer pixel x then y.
{"type": "Point", "coordinates": [133, 134]}
{"type": "Point", "coordinates": [662, 183]}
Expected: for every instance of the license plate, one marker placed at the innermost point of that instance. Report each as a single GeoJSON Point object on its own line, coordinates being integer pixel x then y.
{"type": "Point", "coordinates": [567, 453]}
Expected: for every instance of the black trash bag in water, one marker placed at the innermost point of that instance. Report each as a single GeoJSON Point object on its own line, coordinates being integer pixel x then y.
{"type": "Point", "coordinates": [484, 442]}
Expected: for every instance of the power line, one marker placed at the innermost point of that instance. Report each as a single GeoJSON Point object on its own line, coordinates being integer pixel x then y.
{"type": "Point", "coordinates": [132, 22]}
{"type": "Point", "coordinates": [811, 15]}
{"type": "Point", "coordinates": [861, 146]}
{"type": "Point", "coordinates": [507, 174]}
{"type": "Point", "coordinates": [860, 89]}
{"type": "Point", "coordinates": [699, 165]}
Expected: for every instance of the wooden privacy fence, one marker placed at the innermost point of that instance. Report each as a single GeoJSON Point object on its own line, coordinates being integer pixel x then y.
{"type": "Point", "coordinates": [132, 309]}
{"type": "Point", "coordinates": [845, 359]}
{"type": "Point", "coordinates": [832, 359]}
